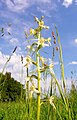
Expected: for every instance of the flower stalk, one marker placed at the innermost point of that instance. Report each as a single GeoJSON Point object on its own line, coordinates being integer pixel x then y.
{"type": "Point", "coordinates": [28, 111]}
{"type": "Point", "coordinates": [39, 78]}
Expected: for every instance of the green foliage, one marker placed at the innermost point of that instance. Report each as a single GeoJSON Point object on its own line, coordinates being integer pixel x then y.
{"type": "Point", "coordinates": [18, 111]}
{"type": "Point", "coordinates": [10, 89]}
{"type": "Point", "coordinates": [73, 101]}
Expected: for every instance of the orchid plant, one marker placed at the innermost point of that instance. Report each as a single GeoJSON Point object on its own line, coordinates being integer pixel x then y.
{"type": "Point", "coordinates": [37, 42]}
{"type": "Point", "coordinates": [39, 63]}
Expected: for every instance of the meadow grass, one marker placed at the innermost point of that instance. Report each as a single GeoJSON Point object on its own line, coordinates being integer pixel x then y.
{"type": "Point", "coordinates": [18, 110]}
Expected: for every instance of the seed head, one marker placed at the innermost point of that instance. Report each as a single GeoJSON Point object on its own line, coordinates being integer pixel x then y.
{"type": "Point", "coordinates": [54, 41]}
{"type": "Point", "coordinates": [57, 48]}
{"type": "Point", "coordinates": [53, 33]}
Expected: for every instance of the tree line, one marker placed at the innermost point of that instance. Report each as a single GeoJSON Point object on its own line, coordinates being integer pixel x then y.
{"type": "Point", "coordinates": [10, 89]}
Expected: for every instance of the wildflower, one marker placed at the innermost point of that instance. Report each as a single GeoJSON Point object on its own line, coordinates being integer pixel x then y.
{"type": "Point", "coordinates": [28, 46]}
{"type": "Point", "coordinates": [48, 40]}
{"type": "Point", "coordinates": [43, 26]}
{"type": "Point", "coordinates": [51, 66]}
{"type": "Point", "coordinates": [46, 27]}
{"type": "Point", "coordinates": [51, 101]}
{"type": "Point", "coordinates": [28, 60]}
{"type": "Point", "coordinates": [41, 23]}
{"type": "Point", "coordinates": [32, 31]}
{"type": "Point", "coordinates": [36, 19]}
{"type": "Point", "coordinates": [41, 41]}
{"type": "Point", "coordinates": [33, 89]}
{"type": "Point", "coordinates": [42, 60]}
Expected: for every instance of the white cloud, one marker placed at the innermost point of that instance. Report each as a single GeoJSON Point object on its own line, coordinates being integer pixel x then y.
{"type": "Point", "coordinates": [68, 84]}
{"type": "Point", "coordinates": [14, 66]}
{"type": "Point", "coordinates": [16, 5]}
{"type": "Point", "coordinates": [44, 1]}
{"type": "Point", "coordinates": [43, 11]}
{"type": "Point", "coordinates": [56, 63]}
{"type": "Point", "coordinates": [75, 41]}
{"type": "Point", "coordinates": [9, 29]}
{"type": "Point", "coordinates": [76, 1]}
{"type": "Point", "coordinates": [59, 0]}
{"type": "Point", "coordinates": [47, 7]}
{"type": "Point", "coordinates": [67, 3]}
{"type": "Point", "coordinates": [19, 50]}
{"type": "Point", "coordinates": [14, 41]}
{"type": "Point", "coordinates": [21, 5]}
{"type": "Point", "coordinates": [73, 63]}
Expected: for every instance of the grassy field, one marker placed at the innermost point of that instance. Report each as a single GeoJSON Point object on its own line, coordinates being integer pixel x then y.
{"type": "Point", "coordinates": [18, 110]}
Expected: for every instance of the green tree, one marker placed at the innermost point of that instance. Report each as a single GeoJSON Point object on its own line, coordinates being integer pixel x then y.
{"type": "Point", "coordinates": [10, 89]}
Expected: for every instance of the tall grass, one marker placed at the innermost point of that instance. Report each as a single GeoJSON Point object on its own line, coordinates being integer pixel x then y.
{"type": "Point", "coordinates": [5, 65]}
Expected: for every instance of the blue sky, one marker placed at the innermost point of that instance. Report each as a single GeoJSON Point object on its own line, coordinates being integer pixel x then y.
{"type": "Point", "coordinates": [20, 13]}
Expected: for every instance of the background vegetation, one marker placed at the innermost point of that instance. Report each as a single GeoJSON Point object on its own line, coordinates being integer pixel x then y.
{"type": "Point", "coordinates": [14, 108]}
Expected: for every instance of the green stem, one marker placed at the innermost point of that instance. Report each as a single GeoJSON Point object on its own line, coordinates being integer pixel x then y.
{"type": "Point", "coordinates": [39, 79]}
{"type": "Point", "coordinates": [39, 75]}
{"type": "Point", "coordinates": [21, 80]}
{"type": "Point", "coordinates": [28, 96]}
{"type": "Point", "coordinates": [62, 74]}
{"type": "Point", "coordinates": [48, 112]}
{"type": "Point", "coordinates": [61, 65]}
{"type": "Point", "coordinates": [60, 91]}
{"type": "Point", "coordinates": [51, 108]}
